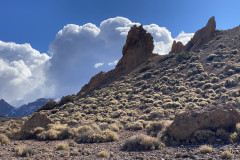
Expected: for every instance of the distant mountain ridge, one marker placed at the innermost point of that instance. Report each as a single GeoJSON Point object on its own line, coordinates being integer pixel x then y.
{"type": "Point", "coordinates": [27, 109]}
{"type": "Point", "coordinates": [5, 108]}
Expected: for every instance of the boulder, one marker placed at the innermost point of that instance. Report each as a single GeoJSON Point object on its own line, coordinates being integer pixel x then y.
{"type": "Point", "coordinates": [213, 117]}
{"type": "Point", "coordinates": [202, 36]}
{"type": "Point", "coordinates": [177, 47]}
{"type": "Point", "coordinates": [37, 120]}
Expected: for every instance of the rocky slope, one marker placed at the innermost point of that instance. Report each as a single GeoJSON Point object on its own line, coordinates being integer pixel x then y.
{"type": "Point", "coordinates": [153, 95]}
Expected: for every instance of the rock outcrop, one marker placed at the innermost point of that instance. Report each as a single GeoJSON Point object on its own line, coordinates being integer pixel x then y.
{"type": "Point", "coordinates": [214, 117]}
{"type": "Point", "coordinates": [202, 36]}
{"type": "Point", "coordinates": [37, 120]}
{"type": "Point", "coordinates": [138, 48]}
{"type": "Point", "coordinates": [177, 47]}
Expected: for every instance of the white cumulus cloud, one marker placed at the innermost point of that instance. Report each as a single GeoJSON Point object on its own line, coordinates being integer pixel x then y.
{"type": "Point", "coordinates": [22, 73]}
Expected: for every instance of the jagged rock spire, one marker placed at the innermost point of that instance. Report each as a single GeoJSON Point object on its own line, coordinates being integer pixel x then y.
{"type": "Point", "coordinates": [138, 48]}
{"type": "Point", "coordinates": [202, 36]}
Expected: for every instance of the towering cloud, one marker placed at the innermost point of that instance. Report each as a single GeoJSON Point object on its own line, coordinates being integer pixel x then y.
{"type": "Point", "coordinates": [26, 74]}
{"type": "Point", "coordinates": [22, 73]}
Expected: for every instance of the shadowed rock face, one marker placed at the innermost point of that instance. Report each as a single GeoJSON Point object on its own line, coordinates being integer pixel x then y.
{"type": "Point", "coordinates": [202, 36]}
{"type": "Point", "coordinates": [214, 117]}
{"type": "Point", "coordinates": [177, 47]}
{"type": "Point", "coordinates": [137, 50]}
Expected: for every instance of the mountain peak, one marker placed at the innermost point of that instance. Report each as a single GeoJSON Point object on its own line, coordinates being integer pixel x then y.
{"type": "Point", "coordinates": [202, 36]}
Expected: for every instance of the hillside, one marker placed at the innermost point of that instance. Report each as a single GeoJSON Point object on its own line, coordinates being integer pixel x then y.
{"type": "Point", "coordinates": [148, 94]}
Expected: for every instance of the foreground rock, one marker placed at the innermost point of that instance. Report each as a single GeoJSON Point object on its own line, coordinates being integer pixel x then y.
{"type": "Point", "coordinates": [214, 117]}
{"type": "Point", "coordinates": [37, 120]}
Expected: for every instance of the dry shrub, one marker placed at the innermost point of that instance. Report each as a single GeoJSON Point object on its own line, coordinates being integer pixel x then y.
{"type": "Point", "coordinates": [55, 132]}
{"type": "Point", "coordinates": [156, 114]}
{"type": "Point", "coordinates": [204, 136]}
{"type": "Point", "coordinates": [93, 134]}
{"type": "Point", "coordinates": [62, 146]}
{"type": "Point", "coordinates": [4, 139]}
{"type": "Point", "coordinates": [172, 105]}
{"type": "Point", "coordinates": [157, 128]}
{"type": "Point", "coordinates": [226, 155]}
{"type": "Point", "coordinates": [104, 154]}
{"type": "Point", "coordinates": [141, 142]}
{"type": "Point", "coordinates": [223, 135]}
{"type": "Point", "coordinates": [113, 127]}
{"type": "Point", "coordinates": [153, 128]}
{"type": "Point", "coordinates": [48, 135]}
{"type": "Point", "coordinates": [205, 149]}
{"type": "Point", "coordinates": [238, 127]}
{"type": "Point", "coordinates": [134, 126]}
{"type": "Point", "coordinates": [22, 151]}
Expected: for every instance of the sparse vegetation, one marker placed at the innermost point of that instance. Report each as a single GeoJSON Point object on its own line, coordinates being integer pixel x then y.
{"type": "Point", "coordinates": [104, 154]}
{"type": "Point", "coordinates": [4, 139]}
{"type": "Point", "coordinates": [141, 142]}
{"type": "Point", "coordinates": [62, 146]}
{"type": "Point", "coordinates": [23, 151]}
{"type": "Point", "coordinates": [226, 155]}
{"type": "Point", "coordinates": [205, 149]}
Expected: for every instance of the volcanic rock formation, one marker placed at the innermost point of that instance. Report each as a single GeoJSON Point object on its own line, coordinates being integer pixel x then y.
{"type": "Point", "coordinates": [202, 36]}
{"type": "Point", "coordinates": [137, 50]}
{"type": "Point", "coordinates": [177, 47]}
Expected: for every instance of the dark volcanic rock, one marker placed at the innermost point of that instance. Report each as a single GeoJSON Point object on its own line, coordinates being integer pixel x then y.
{"type": "Point", "coordinates": [202, 36]}
{"type": "Point", "coordinates": [138, 48]}
{"type": "Point", "coordinates": [185, 124]}
{"type": "Point", "coordinates": [177, 47]}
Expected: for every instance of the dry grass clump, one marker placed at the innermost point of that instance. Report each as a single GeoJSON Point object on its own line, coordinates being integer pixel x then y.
{"type": "Point", "coordinates": [223, 135]}
{"type": "Point", "coordinates": [205, 149]}
{"type": "Point", "coordinates": [157, 128]}
{"type": "Point", "coordinates": [153, 128]}
{"type": "Point", "coordinates": [226, 155]}
{"type": "Point", "coordinates": [114, 127]}
{"type": "Point", "coordinates": [141, 142]}
{"type": "Point", "coordinates": [62, 146]}
{"type": "Point", "coordinates": [204, 136]}
{"type": "Point", "coordinates": [93, 134]}
{"type": "Point", "coordinates": [104, 154]}
{"type": "Point", "coordinates": [134, 126]}
{"type": "Point", "coordinates": [55, 132]}
{"type": "Point", "coordinates": [4, 139]}
{"type": "Point", "coordinates": [22, 151]}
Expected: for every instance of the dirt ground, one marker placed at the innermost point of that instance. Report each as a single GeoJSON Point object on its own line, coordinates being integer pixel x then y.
{"type": "Point", "coordinates": [47, 150]}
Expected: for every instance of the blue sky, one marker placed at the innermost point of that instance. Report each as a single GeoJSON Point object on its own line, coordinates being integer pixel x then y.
{"type": "Point", "coordinates": [37, 22]}
{"type": "Point", "coordinates": [51, 58]}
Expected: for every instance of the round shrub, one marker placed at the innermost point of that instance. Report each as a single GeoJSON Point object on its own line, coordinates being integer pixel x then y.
{"type": "Point", "coordinates": [141, 143]}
